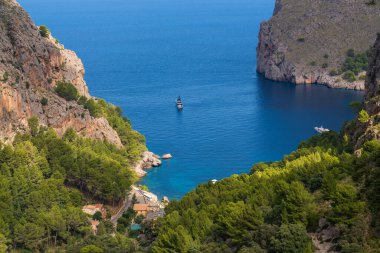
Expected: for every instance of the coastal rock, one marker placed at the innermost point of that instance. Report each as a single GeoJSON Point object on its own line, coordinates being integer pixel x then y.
{"type": "Point", "coordinates": [305, 40]}
{"type": "Point", "coordinates": [30, 67]}
{"type": "Point", "coordinates": [147, 161]}
{"type": "Point", "coordinates": [167, 156]}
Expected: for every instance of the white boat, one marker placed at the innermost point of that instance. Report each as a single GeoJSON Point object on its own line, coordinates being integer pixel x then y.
{"type": "Point", "coordinates": [321, 129]}
{"type": "Point", "coordinates": [179, 104]}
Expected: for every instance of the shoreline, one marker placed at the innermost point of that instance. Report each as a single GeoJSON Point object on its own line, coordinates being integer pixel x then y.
{"type": "Point", "coordinates": [148, 160]}
{"type": "Point", "coordinates": [356, 86]}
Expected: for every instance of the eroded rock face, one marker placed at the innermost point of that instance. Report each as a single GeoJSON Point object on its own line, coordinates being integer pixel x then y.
{"type": "Point", "coordinates": [305, 40]}
{"type": "Point", "coordinates": [30, 67]}
{"type": "Point", "coordinates": [365, 131]}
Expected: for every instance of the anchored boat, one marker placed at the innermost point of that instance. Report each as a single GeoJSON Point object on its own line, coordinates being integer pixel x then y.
{"type": "Point", "coordinates": [179, 103]}
{"type": "Point", "coordinates": [321, 129]}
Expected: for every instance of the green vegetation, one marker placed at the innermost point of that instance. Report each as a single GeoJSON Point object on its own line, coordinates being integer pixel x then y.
{"type": "Point", "coordinates": [44, 31]}
{"type": "Point", "coordinates": [354, 65]}
{"type": "Point", "coordinates": [274, 207]}
{"type": "Point", "coordinates": [363, 116]}
{"type": "Point", "coordinates": [350, 53]}
{"type": "Point", "coordinates": [44, 101]}
{"type": "Point", "coordinates": [301, 39]}
{"type": "Point", "coordinates": [349, 76]}
{"type": "Point", "coordinates": [333, 72]}
{"type": "Point", "coordinates": [97, 216]}
{"type": "Point", "coordinates": [5, 76]}
{"type": "Point", "coordinates": [66, 90]}
{"type": "Point", "coordinates": [371, 3]}
{"type": "Point", "coordinates": [125, 220]}
{"type": "Point", "coordinates": [100, 170]}
{"type": "Point", "coordinates": [132, 140]}
{"type": "Point", "coordinates": [43, 182]}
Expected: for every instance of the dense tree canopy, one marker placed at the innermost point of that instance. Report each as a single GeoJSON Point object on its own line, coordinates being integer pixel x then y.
{"type": "Point", "coordinates": [44, 180]}
{"type": "Point", "coordinates": [273, 208]}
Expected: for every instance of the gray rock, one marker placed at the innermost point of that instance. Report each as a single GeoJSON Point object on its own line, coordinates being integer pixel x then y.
{"type": "Point", "coordinates": [32, 66]}
{"type": "Point", "coordinates": [303, 32]}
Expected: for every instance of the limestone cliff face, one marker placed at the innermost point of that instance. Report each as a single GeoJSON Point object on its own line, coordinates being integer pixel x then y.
{"type": "Point", "coordinates": [30, 67]}
{"type": "Point", "coordinates": [364, 131]}
{"type": "Point", "coordinates": [305, 40]}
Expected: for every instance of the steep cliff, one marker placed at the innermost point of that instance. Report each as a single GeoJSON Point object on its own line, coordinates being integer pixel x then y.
{"type": "Point", "coordinates": [367, 127]}
{"type": "Point", "coordinates": [307, 41]}
{"type": "Point", "coordinates": [30, 67]}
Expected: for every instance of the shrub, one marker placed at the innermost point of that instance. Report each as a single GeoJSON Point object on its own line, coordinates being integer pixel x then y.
{"type": "Point", "coordinates": [313, 63]}
{"type": "Point", "coordinates": [301, 39]}
{"type": "Point", "coordinates": [371, 3]}
{"type": "Point", "coordinates": [139, 218]}
{"type": "Point", "coordinates": [291, 238]}
{"type": "Point", "coordinates": [362, 77]}
{"type": "Point", "coordinates": [91, 249]}
{"type": "Point", "coordinates": [44, 31]}
{"type": "Point", "coordinates": [333, 72]}
{"type": "Point", "coordinates": [326, 56]}
{"type": "Point", "coordinates": [93, 107]}
{"type": "Point", "coordinates": [356, 63]}
{"type": "Point", "coordinates": [97, 216]}
{"type": "Point", "coordinates": [44, 101]}
{"type": "Point", "coordinates": [82, 100]}
{"type": "Point", "coordinates": [33, 125]}
{"type": "Point", "coordinates": [363, 116]}
{"type": "Point", "coordinates": [349, 76]}
{"type": "Point", "coordinates": [5, 76]}
{"type": "Point", "coordinates": [67, 90]}
{"type": "Point", "coordinates": [325, 65]}
{"type": "Point", "coordinates": [350, 52]}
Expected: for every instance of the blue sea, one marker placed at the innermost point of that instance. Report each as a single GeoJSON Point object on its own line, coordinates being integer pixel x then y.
{"type": "Point", "coordinates": [142, 54]}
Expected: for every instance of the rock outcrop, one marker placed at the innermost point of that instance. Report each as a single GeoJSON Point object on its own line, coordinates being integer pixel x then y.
{"type": "Point", "coordinates": [167, 156]}
{"type": "Point", "coordinates": [305, 40]}
{"type": "Point", "coordinates": [370, 129]}
{"type": "Point", "coordinates": [148, 160]}
{"type": "Point", "coordinates": [30, 67]}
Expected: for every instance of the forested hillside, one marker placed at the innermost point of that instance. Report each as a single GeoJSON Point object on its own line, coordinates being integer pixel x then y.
{"type": "Point", "coordinates": [44, 182]}
{"type": "Point", "coordinates": [320, 187]}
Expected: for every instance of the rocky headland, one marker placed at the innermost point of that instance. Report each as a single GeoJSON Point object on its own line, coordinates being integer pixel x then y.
{"type": "Point", "coordinates": [307, 42]}
{"type": "Point", "coordinates": [31, 65]}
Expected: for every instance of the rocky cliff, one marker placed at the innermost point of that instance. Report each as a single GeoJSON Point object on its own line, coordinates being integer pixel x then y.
{"type": "Point", "coordinates": [367, 127]}
{"type": "Point", "coordinates": [30, 67]}
{"type": "Point", "coordinates": [306, 41]}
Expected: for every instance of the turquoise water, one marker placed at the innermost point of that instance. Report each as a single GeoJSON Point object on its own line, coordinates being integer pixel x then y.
{"type": "Point", "coordinates": [142, 54]}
